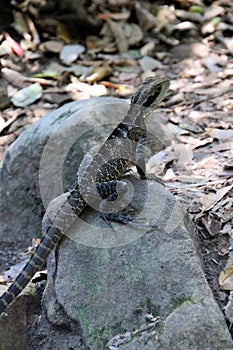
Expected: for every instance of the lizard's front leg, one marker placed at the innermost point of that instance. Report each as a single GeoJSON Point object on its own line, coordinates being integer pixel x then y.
{"type": "Point", "coordinates": [140, 161]}
{"type": "Point", "coordinates": [112, 206]}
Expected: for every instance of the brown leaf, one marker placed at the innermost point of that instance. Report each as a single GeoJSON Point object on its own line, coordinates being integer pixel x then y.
{"type": "Point", "coordinates": [165, 16]}
{"type": "Point", "coordinates": [14, 78]}
{"type": "Point", "coordinates": [116, 16]}
{"type": "Point", "coordinates": [99, 73]}
{"type": "Point", "coordinates": [5, 125]}
{"type": "Point", "coordinates": [211, 199]}
{"type": "Point", "coordinates": [51, 46]}
{"type": "Point", "coordinates": [226, 278]}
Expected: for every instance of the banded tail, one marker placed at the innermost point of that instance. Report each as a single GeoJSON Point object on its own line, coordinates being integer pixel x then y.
{"type": "Point", "coordinates": [35, 263]}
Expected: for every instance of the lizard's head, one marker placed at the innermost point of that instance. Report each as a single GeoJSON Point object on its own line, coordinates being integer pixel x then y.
{"type": "Point", "coordinates": [151, 92]}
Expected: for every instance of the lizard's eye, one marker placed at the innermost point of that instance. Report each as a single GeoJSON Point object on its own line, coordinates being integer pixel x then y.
{"type": "Point", "coordinates": [151, 98]}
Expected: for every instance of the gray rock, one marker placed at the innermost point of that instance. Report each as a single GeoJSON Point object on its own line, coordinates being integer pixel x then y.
{"type": "Point", "coordinates": [108, 281]}
{"type": "Point", "coordinates": [103, 283]}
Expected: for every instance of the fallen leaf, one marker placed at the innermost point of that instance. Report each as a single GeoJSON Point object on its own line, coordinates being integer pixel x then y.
{"type": "Point", "coordinates": [125, 34]}
{"type": "Point", "coordinates": [213, 11]}
{"type": "Point", "coordinates": [3, 287]}
{"type": "Point", "coordinates": [228, 42]}
{"type": "Point", "coordinates": [226, 278]}
{"type": "Point", "coordinates": [116, 16]}
{"type": "Point", "coordinates": [27, 96]}
{"type": "Point", "coordinates": [149, 63]}
{"type": "Point", "coordinates": [147, 48]}
{"type": "Point", "coordinates": [4, 48]}
{"type": "Point", "coordinates": [184, 26]}
{"type": "Point", "coordinates": [14, 78]}
{"type": "Point", "coordinates": [70, 53]}
{"type": "Point", "coordinates": [99, 73]}
{"type": "Point", "coordinates": [15, 47]}
{"type": "Point", "coordinates": [11, 274]}
{"type": "Point", "coordinates": [210, 26]}
{"type": "Point", "coordinates": [20, 23]}
{"type": "Point", "coordinates": [170, 175]}
{"type": "Point", "coordinates": [92, 90]}
{"type": "Point", "coordinates": [194, 142]}
{"type": "Point", "coordinates": [165, 16]}
{"type": "Point", "coordinates": [220, 134]}
{"type": "Point", "coordinates": [145, 18]}
{"type": "Point", "coordinates": [97, 44]}
{"type": "Point", "coordinates": [5, 125]}
{"type": "Point", "coordinates": [196, 9]}
{"type": "Point", "coordinates": [51, 46]}
{"type": "Point", "coordinates": [46, 74]}
{"type": "Point", "coordinates": [197, 180]}
{"type": "Point", "coordinates": [184, 153]}
{"type": "Point", "coordinates": [211, 199]}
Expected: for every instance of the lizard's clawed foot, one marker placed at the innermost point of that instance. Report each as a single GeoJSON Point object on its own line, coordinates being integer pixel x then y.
{"type": "Point", "coordinates": [123, 219]}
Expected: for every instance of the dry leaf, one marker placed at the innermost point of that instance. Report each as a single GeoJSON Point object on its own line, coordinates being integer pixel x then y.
{"type": "Point", "coordinates": [195, 180]}
{"type": "Point", "coordinates": [13, 271]}
{"type": "Point", "coordinates": [220, 134]}
{"type": "Point", "coordinates": [5, 49]}
{"type": "Point", "coordinates": [147, 48]}
{"type": "Point", "coordinates": [211, 199]}
{"type": "Point", "coordinates": [5, 125]}
{"type": "Point", "coordinates": [149, 63]}
{"type": "Point", "coordinates": [14, 78]}
{"type": "Point", "coordinates": [116, 16]}
{"type": "Point", "coordinates": [165, 16]}
{"type": "Point", "coordinates": [70, 53]}
{"type": "Point", "coordinates": [15, 47]}
{"type": "Point", "coordinates": [145, 18]}
{"type": "Point", "coordinates": [20, 23]}
{"type": "Point", "coordinates": [51, 46]}
{"type": "Point", "coordinates": [210, 26]}
{"type": "Point", "coordinates": [92, 90]}
{"type": "Point", "coordinates": [226, 278]}
{"type": "Point", "coordinates": [184, 152]}
{"type": "Point", "coordinates": [194, 142]}
{"type": "Point", "coordinates": [228, 42]}
{"type": "Point", "coordinates": [99, 73]}
{"type": "Point", "coordinates": [125, 34]}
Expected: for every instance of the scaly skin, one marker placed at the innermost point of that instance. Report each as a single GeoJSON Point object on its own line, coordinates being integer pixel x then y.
{"type": "Point", "coordinates": [124, 147]}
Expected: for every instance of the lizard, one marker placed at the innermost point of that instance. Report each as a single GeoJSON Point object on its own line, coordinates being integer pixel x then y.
{"type": "Point", "coordinates": [123, 147]}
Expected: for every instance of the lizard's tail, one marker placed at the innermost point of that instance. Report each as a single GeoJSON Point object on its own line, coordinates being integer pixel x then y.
{"type": "Point", "coordinates": [35, 263]}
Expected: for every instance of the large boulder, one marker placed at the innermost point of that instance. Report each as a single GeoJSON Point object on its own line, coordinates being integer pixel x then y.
{"type": "Point", "coordinates": [130, 287]}
{"type": "Point", "coordinates": [108, 281]}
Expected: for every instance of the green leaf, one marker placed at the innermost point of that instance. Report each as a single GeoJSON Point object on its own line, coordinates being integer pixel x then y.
{"type": "Point", "coordinates": [27, 95]}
